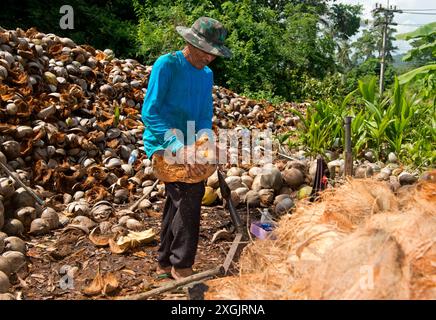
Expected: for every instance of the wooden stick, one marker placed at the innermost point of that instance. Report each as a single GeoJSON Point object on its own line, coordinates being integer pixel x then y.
{"type": "Point", "coordinates": [232, 251]}
{"type": "Point", "coordinates": [30, 191]}
{"type": "Point", "coordinates": [174, 284]}
{"type": "Point", "coordinates": [145, 195]}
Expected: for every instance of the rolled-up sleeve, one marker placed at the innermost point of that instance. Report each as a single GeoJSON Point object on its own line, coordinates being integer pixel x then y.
{"type": "Point", "coordinates": [154, 121]}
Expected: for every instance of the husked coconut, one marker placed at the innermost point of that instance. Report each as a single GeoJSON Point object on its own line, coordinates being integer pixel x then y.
{"type": "Point", "coordinates": [281, 197]}
{"type": "Point", "coordinates": [84, 221]}
{"type": "Point", "coordinates": [271, 178]}
{"type": "Point", "coordinates": [247, 180]}
{"type": "Point", "coordinates": [235, 198]}
{"type": "Point", "coordinates": [4, 282]}
{"type": "Point", "coordinates": [51, 216]}
{"type": "Point", "coordinates": [284, 206]}
{"type": "Point", "coordinates": [4, 266]}
{"type": "Point", "coordinates": [22, 198]}
{"type": "Point", "coordinates": [254, 171]}
{"type": "Point", "coordinates": [234, 182]}
{"type": "Point", "coordinates": [242, 192]}
{"type": "Point", "coordinates": [13, 227]}
{"type": "Point", "coordinates": [266, 197]}
{"type": "Point", "coordinates": [235, 171]}
{"type": "Point", "coordinates": [297, 164]}
{"type": "Point", "coordinates": [293, 178]}
{"type": "Point", "coordinates": [39, 226]}
{"type": "Point", "coordinates": [2, 215]}
{"type": "Point", "coordinates": [252, 198]}
{"type": "Point", "coordinates": [3, 236]}
{"type": "Point", "coordinates": [26, 215]}
{"type": "Point", "coordinates": [213, 181]}
{"type": "Point", "coordinates": [6, 187]}
{"type": "Point", "coordinates": [16, 260]}
{"type": "Point", "coordinates": [133, 224]}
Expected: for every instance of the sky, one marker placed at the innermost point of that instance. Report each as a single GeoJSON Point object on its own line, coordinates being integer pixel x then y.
{"type": "Point", "coordinates": [406, 22]}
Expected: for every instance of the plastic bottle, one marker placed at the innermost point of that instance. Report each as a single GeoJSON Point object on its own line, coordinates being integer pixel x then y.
{"type": "Point", "coordinates": [133, 157]}
{"type": "Point", "coordinates": [266, 218]}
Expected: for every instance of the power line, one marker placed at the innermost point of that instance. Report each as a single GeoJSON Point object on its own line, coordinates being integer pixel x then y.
{"type": "Point", "coordinates": [409, 24]}
{"type": "Point", "coordinates": [418, 9]}
{"type": "Point", "coordinates": [423, 13]}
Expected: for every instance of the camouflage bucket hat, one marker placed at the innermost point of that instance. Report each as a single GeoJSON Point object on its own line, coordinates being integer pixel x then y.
{"type": "Point", "coordinates": [206, 34]}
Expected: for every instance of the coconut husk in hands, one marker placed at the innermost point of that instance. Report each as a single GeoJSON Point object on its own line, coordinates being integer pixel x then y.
{"type": "Point", "coordinates": [167, 172]}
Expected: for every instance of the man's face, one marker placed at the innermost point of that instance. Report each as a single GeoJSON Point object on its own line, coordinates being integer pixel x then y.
{"type": "Point", "coordinates": [200, 57]}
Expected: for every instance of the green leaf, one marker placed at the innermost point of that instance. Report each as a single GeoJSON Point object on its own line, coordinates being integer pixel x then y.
{"type": "Point", "coordinates": [422, 31]}
{"type": "Point", "coordinates": [409, 76]}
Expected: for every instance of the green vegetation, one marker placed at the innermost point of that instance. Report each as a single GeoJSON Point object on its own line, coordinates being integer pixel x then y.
{"type": "Point", "coordinates": [399, 121]}
{"type": "Point", "coordinates": [283, 50]}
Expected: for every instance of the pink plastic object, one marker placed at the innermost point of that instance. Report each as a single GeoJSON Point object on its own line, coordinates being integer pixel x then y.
{"type": "Point", "coordinates": [258, 229]}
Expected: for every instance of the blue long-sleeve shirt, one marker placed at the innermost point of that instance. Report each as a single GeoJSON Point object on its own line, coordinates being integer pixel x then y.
{"type": "Point", "coordinates": [177, 93]}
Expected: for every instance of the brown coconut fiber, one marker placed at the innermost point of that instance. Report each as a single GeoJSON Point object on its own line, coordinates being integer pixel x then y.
{"type": "Point", "coordinates": [360, 241]}
{"type": "Point", "coordinates": [168, 172]}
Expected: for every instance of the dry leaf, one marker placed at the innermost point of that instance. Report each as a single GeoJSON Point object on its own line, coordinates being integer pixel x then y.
{"type": "Point", "coordinates": [101, 284]}
{"type": "Point", "coordinates": [140, 254]}
{"type": "Point", "coordinates": [110, 283]}
{"type": "Point", "coordinates": [133, 273]}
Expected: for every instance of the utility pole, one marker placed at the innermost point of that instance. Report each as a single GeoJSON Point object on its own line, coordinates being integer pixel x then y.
{"type": "Point", "coordinates": [388, 15]}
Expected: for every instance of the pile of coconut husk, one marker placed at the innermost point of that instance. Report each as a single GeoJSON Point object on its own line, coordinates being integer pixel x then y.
{"type": "Point", "coordinates": [360, 241]}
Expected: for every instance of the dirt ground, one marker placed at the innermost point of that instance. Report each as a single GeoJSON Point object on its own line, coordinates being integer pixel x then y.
{"type": "Point", "coordinates": [51, 256]}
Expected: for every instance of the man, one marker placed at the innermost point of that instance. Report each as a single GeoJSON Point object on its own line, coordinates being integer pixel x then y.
{"type": "Point", "coordinates": [180, 90]}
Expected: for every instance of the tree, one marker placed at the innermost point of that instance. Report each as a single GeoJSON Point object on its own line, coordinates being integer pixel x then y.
{"type": "Point", "coordinates": [345, 20]}
{"type": "Point", "coordinates": [369, 45]}
{"type": "Point", "coordinates": [274, 43]}
{"type": "Point", "coordinates": [102, 24]}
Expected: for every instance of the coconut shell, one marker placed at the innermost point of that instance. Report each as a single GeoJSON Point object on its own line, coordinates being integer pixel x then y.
{"type": "Point", "coordinates": [98, 239]}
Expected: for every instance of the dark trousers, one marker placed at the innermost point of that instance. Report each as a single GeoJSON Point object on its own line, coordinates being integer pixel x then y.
{"type": "Point", "coordinates": [180, 224]}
